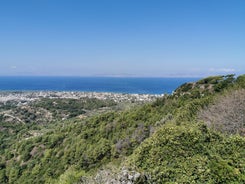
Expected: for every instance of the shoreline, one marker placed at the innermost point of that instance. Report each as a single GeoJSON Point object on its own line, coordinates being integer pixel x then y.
{"type": "Point", "coordinates": [30, 96]}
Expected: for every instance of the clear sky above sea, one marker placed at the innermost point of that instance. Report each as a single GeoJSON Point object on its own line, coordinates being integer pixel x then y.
{"type": "Point", "coordinates": [146, 38]}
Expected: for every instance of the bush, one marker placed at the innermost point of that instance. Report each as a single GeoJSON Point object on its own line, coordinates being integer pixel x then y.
{"type": "Point", "coordinates": [191, 154]}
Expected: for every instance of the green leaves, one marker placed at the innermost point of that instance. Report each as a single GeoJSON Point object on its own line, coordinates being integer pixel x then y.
{"type": "Point", "coordinates": [191, 153]}
{"type": "Point", "coordinates": [161, 139]}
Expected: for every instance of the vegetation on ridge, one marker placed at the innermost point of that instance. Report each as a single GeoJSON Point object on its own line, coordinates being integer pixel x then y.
{"type": "Point", "coordinates": [164, 141]}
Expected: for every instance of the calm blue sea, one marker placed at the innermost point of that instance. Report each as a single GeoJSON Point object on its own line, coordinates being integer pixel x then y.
{"type": "Point", "coordinates": [93, 84]}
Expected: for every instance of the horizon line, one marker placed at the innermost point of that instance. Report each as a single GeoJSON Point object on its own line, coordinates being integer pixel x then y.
{"type": "Point", "coordinates": [124, 76]}
{"type": "Point", "coordinates": [110, 76]}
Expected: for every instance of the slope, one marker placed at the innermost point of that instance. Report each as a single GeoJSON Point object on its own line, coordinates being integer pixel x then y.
{"type": "Point", "coordinates": [163, 139]}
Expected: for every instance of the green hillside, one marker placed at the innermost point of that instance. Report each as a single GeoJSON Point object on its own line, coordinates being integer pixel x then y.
{"type": "Point", "coordinates": [177, 139]}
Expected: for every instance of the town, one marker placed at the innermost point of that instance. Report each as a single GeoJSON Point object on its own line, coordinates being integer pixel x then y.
{"type": "Point", "coordinates": [23, 97]}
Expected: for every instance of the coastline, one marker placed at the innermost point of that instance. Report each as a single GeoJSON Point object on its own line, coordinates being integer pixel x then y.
{"type": "Point", "coordinates": [22, 97]}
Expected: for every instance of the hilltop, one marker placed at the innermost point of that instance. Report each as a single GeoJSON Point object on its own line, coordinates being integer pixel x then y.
{"type": "Point", "coordinates": [195, 135]}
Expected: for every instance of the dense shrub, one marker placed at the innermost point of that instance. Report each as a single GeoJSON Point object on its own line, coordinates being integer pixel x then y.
{"type": "Point", "coordinates": [191, 154]}
{"type": "Point", "coordinates": [161, 139]}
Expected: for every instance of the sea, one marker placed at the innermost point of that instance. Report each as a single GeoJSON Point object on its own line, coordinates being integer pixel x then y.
{"type": "Point", "coordinates": [93, 84]}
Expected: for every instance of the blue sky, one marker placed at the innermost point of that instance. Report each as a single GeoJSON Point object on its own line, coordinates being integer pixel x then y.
{"type": "Point", "coordinates": [147, 38]}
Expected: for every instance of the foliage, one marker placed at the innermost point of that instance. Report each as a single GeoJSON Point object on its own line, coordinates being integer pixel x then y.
{"type": "Point", "coordinates": [72, 107]}
{"type": "Point", "coordinates": [47, 110]}
{"type": "Point", "coordinates": [241, 81]}
{"type": "Point", "coordinates": [161, 138]}
{"type": "Point", "coordinates": [205, 86]}
{"type": "Point", "coordinates": [191, 154]}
